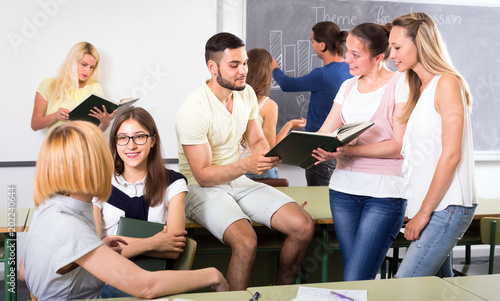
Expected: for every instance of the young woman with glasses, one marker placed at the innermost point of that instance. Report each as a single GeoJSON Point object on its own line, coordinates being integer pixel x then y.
{"type": "Point", "coordinates": [142, 189]}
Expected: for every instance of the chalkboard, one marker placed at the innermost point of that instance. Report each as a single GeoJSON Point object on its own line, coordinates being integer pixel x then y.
{"type": "Point", "coordinates": [472, 35]}
{"type": "Point", "coordinates": [149, 49]}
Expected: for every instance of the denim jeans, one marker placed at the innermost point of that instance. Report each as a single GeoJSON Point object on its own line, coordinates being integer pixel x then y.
{"type": "Point", "coordinates": [365, 228]}
{"type": "Point", "coordinates": [426, 255]}
{"type": "Point", "coordinates": [320, 175]}
{"type": "Point", "coordinates": [109, 291]}
{"type": "Point", "coordinates": [272, 173]}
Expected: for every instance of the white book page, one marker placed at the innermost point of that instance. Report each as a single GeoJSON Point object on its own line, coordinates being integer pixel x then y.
{"type": "Point", "coordinates": [321, 294]}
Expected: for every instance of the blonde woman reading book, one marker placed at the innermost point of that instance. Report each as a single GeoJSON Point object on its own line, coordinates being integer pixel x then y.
{"type": "Point", "coordinates": [77, 79]}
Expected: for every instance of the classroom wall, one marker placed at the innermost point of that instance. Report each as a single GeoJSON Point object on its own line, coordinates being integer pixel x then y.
{"type": "Point", "coordinates": [152, 49]}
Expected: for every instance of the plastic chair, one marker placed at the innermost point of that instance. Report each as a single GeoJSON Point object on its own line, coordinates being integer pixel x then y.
{"type": "Point", "coordinates": [142, 229]}
{"type": "Point", "coordinates": [186, 258]}
{"type": "Point", "coordinates": [490, 235]}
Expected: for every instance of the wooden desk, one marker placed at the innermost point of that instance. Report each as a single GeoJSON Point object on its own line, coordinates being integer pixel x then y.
{"type": "Point", "coordinates": [408, 289]}
{"type": "Point", "coordinates": [211, 296]}
{"type": "Point", "coordinates": [487, 207]}
{"type": "Point", "coordinates": [6, 219]}
{"type": "Point", "coordinates": [8, 229]}
{"type": "Point", "coordinates": [484, 286]}
{"type": "Point", "coordinates": [317, 198]}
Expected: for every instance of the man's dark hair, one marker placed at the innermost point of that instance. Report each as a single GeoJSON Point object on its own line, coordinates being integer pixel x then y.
{"type": "Point", "coordinates": [220, 42]}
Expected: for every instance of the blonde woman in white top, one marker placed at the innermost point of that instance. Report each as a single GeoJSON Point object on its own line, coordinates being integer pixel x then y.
{"type": "Point", "coordinates": [437, 147]}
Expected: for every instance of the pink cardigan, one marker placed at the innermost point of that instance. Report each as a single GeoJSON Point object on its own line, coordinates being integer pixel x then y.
{"type": "Point", "coordinates": [381, 131]}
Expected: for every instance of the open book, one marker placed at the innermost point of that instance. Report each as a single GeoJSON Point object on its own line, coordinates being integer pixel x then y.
{"type": "Point", "coordinates": [296, 148]}
{"type": "Point", "coordinates": [82, 111]}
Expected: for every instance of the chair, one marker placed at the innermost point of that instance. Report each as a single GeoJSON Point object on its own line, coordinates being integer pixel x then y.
{"type": "Point", "coordinates": [490, 235]}
{"type": "Point", "coordinates": [280, 182]}
{"type": "Point", "coordinates": [142, 229]}
{"type": "Point", "coordinates": [186, 258]}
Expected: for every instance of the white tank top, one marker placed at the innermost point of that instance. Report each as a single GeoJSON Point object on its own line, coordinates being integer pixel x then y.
{"type": "Point", "coordinates": [422, 147]}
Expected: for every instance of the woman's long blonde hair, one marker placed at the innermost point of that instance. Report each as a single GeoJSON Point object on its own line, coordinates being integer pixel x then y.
{"type": "Point", "coordinates": [431, 53]}
{"type": "Point", "coordinates": [67, 79]}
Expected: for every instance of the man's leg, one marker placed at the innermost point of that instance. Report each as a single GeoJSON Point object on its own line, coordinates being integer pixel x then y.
{"type": "Point", "coordinates": [242, 239]}
{"type": "Point", "coordinates": [216, 210]}
{"type": "Point", "coordinates": [298, 226]}
{"type": "Point", "coordinates": [276, 210]}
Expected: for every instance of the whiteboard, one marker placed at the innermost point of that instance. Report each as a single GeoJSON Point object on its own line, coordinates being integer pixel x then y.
{"type": "Point", "coordinates": [149, 49]}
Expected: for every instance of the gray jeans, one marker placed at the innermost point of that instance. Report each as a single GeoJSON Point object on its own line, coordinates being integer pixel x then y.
{"type": "Point", "coordinates": [320, 175]}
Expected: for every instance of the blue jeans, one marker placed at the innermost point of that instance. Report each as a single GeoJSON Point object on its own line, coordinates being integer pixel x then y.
{"type": "Point", "coordinates": [426, 255]}
{"type": "Point", "coordinates": [320, 175]}
{"type": "Point", "coordinates": [365, 228]}
{"type": "Point", "coordinates": [272, 173]}
{"type": "Point", "coordinates": [109, 291]}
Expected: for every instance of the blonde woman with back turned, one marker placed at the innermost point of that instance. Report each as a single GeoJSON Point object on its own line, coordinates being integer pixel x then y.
{"type": "Point", "coordinates": [77, 79]}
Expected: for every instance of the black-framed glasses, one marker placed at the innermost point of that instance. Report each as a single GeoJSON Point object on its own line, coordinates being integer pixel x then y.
{"type": "Point", "coordinates": [139, 139]}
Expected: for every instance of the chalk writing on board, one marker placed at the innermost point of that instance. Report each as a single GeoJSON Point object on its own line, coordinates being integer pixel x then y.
{"type": "Point", "coordinates": [303, 103]}
{"type": "Point", "coordinates": [321, 15]}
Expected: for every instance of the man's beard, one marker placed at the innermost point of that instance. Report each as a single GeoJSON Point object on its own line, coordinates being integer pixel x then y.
{"type": "Point", "coordinates": [227, 84]}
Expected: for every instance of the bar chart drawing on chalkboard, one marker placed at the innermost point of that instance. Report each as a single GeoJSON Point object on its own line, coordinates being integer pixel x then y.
{"type": "Point", "coordinates": [275, 49]}
{"type": "Point", "coordinates": [303, 57]}
{"type": "Point", "coordinates": [289, 60]}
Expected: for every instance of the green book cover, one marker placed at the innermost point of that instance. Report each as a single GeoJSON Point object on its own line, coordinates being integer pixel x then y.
{"type": "Point", "coordinates": [82, 111]}
{"type": "Point", "coordinates": [296, 148]}
{"type": "Point", "coordinates": [130, 227]}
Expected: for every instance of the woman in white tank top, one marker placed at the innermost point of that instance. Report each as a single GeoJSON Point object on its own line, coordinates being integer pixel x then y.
{"type": "Point", "coordinates": [437, 147]}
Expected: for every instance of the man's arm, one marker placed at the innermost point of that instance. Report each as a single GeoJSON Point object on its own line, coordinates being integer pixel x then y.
{"type": "Point", "coordinates": [199, 158]}
{"type": "Point", "coordinates": [255, 137]}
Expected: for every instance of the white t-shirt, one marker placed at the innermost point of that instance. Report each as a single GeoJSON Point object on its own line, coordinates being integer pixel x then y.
{"type": "Point", "coordinates": [62, 230]}
{"type": "Point", "coordinates": [202, 118]}
{"type": "Point", "coordinates": [361, 107]}
{"type": "Point", "coordinates": [158, 214]}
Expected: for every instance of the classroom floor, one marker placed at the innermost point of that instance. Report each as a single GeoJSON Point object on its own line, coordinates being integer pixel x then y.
{"type": "Point", "coordinates": [478, 266]}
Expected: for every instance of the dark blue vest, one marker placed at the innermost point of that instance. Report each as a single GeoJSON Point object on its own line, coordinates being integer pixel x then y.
{"type": "Point", "coordinates": [137, 207]}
